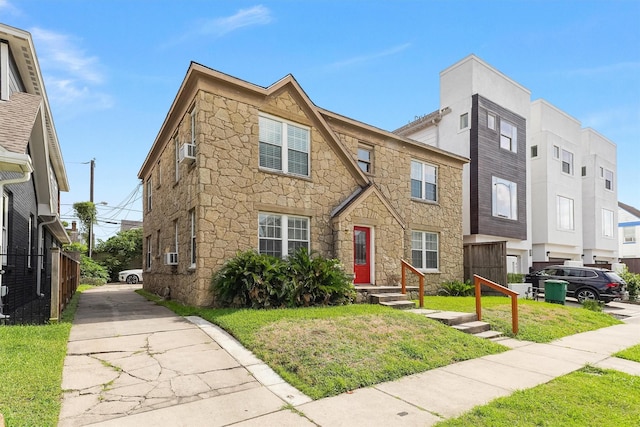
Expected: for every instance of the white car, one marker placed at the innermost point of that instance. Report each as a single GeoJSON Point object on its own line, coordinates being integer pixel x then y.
{"type": "Point", "coordinates": [131, 276]}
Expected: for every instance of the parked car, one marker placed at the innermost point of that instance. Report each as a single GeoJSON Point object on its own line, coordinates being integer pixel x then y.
{"type": "Point", "coordinates": [131, 276]}
{"type": "Point", "coordinates": [585, 283]}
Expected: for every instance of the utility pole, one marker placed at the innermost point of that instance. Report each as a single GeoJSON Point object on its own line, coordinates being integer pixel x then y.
{"type": "Point", "coordinates": [90, 242]}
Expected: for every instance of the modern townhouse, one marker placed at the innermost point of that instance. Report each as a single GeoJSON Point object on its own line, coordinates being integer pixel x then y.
{"type": "Point", "coordinates": [629, 236]}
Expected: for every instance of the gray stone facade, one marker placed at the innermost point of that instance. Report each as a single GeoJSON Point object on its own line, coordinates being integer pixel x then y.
{"type": "Point", "coordinates": [227, 189]}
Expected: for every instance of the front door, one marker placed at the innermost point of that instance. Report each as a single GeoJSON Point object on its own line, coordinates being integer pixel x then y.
{"type": "Point", "coordinates": [362, 254]}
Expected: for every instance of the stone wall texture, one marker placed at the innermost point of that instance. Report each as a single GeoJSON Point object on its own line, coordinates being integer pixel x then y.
{"type": "Point", "coordinates": [227, 189]}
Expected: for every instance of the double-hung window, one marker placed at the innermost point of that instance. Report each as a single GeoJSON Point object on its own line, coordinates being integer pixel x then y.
{"type": "Point", "coordinates": [4, 249]}
{"type": "Point", "coordinates": [149, 194]}
{"type": "Point", "coordinates": [565, 213]}
{"type": "Point", "coordinates": [424, 250]}
{"type": "Point", "coordinates": [505, 198]}
{"type": "Point", "coordinates": [424, 181]}
{"type": "Point", "coordinates": [149, 257]}
{"type": "Point", "coordinates": [192, 240]}
{"type": "Point", "coordinates": [508, 136]}
{"type": "Point", "coordinates": [284, 146]}
{"type": "Point", "coordinates": [280, 235]}
{"type": "Point", "coordinates": [608, 178]}
{"type": "Point", "coordinates": [629, 234]}
{"type": "Point", "coordinates": [365, 159]}
{"type": "Point", "coordinates": [607, 223]}
{"type": "Point", "coordinates": [567, 162]}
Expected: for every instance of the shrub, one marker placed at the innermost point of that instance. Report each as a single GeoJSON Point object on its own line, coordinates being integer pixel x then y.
{"type": "Point", "coordinates": [250, 280]}
{"type": "Point", "coordinates": [593, 305]}
{"type": "Point", "coordinates": [317, 280]}
{"type": "Point", "coordinates": [456, 288]}
{"type": "Point", "coordinates": [255, 280]}
{"type": "Point", "coordinates": [515, 278]}
{"type": "Point", "coordinates": [89, 269]}
{"type": "Point", "coordinates": [633, 283]}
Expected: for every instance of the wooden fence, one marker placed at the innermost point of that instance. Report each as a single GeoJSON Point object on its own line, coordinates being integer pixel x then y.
{"type": "Point", "coordinates": [65, 278]}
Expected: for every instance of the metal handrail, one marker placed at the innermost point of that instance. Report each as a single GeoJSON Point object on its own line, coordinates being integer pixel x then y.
{"type": "Point", "coordinates": [478, 281]}
{"type": "Point", "coordinates": [405, 266]}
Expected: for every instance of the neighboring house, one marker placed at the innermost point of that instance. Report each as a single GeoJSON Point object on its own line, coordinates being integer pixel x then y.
{"type": "Point", "coordinates": [628, 231]}
{"type": "Point", "coordinates": [556, 184]}
{"type": "Point", "coordinates": [599, 199]}
{"type": "Point", "coordinates": [32, 174]}
{"type": "Point", "coordinates": [237, 166]}
{"type": "Point", "coordinates": [483, 115]}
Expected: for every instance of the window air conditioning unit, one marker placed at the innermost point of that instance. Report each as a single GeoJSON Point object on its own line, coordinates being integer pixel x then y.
{"type": "Point", "coordinates": [187, 153]}
{"type": "Point", "coordinates": [171, 258]}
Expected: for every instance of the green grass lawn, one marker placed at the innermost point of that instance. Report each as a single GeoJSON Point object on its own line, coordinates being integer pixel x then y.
{"type": "Point", "coordinates": [31, 359]}
{"type": "Point", "coordinates": [538, 321]}
{"type": "Point", "coordinates": [325, 351]}
{"type": "Point", "coordinates": [589, 397]}
{"type": "Point", "coordinates": [631, 353]}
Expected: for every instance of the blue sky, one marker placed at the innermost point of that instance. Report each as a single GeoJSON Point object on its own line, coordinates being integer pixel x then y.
{"type": "Point", "coordinates": [112, 68]}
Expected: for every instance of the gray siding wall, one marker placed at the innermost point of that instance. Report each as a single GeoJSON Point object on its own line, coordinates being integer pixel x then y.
{"type": "Point", "coordinates": [489, 160]}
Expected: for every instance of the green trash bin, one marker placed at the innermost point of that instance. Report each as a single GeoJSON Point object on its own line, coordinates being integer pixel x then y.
{"type": "Point", "coordinates": [555, 291]}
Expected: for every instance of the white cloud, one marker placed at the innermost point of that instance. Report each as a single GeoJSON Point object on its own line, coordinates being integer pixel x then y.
{"type": "Point", "coordinates": [218, 27]}
{"type": "Point", "coordinates": [72, 77]}
{"type": "Point", "coordinates": [5, 6]}
{"type": "Point", "coordinates": [367, 58]}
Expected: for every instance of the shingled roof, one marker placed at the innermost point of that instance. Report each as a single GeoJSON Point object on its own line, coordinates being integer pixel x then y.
{"type": "Point", "coordinates": [17, 118]}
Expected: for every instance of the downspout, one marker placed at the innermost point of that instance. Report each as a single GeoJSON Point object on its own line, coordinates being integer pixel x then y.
{"type": "Point", "coordinates": [41, 254]}
{"type": "Point", "coordinates": [26, 176]}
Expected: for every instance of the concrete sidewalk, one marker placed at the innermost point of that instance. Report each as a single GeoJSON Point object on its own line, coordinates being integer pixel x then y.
{"type": "Point", "coordinates": [133, 363]}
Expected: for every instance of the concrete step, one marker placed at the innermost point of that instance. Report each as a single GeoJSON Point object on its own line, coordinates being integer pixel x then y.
{"type": "Point", "coordinates": [399, 304]}
{"type": "Point", "coordinates": [473, 327]}
{"type": "Point", "coordinates": [488, 334]}
{"type": "Point", "coordinates": [372, 289]}
{"type": "Point", "coordinates": [387, 296]}
{"type": "Point", "coordinates": [453, 317]}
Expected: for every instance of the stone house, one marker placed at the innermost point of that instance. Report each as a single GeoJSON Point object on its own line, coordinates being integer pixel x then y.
{"type": "Point", "coordinates": [236, 166]}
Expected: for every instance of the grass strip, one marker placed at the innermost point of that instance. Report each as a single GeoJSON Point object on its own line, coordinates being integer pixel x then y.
{"type": "Point", "coordinates": [589, 397]}
{"type": "Point", "coordinates": [31, 360]}
{"type": "Point", "coordinates": [539, 321]}
{"type": "Point", "coordinates": [324, 351]}
{"type": "Point", "coordinates": [631, 353]}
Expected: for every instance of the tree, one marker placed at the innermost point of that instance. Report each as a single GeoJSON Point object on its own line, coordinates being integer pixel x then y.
{"type": "Point", "coordinates": [86, 213]}
{"type": "Point", "coordinates": [119, 252]}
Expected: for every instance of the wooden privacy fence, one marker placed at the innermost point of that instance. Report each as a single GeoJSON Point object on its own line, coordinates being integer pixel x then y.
{"type": "Point", "coordinates": [65, 278]}
{"type": "Point", "coordinates": [487, 260]}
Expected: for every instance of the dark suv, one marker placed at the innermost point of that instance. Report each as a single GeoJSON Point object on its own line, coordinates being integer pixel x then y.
{"type": "Point", "coordinates": [584, 282]}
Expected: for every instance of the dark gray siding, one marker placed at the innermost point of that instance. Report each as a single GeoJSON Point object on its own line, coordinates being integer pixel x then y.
{"type": "Point", "coordinates": [489, 160]}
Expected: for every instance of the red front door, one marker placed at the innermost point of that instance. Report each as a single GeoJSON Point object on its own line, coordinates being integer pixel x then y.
{"type": "Point", "coordinates": [362, 254]}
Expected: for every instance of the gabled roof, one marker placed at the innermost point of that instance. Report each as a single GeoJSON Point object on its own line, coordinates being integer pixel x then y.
{"type": "Point", "coordinates": [24, 54]}
{"type": "Point", "coordinates": [198, 73]}
{"type": "Point", "coordinates": [17, 118]}
{"type": "Point", "coordinates": [359, 196]}
{"type": "Point", "coordinates": [633, 211]}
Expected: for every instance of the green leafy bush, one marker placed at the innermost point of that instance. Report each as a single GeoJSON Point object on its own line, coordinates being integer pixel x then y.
{"type": "Point", "coordinates": [256, 280]}
{"type": "Point", "coordinates": [515, 278]}
{"type": "Point", "coordinates": [89, 269]}
{"type": "Point", "coordinates": [455, 288]}
{"type": "Point", "coordinates": [317, 280]}
{"type": "Point", "coordinates": [633, 283]}
{"type": "Point", "coordinates": [593, 305]}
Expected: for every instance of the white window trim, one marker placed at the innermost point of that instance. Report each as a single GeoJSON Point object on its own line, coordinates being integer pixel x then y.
{"type": "Point", "coordinates": [176, 143]}
{"type": "Point", "coordinates": [513, 138]}
{"type": "Point", "coordinates": [30, 240]}
{"type": "Point", "coordinates": [558, 214]}
{"type": "Point", "coordinates": [192, 113]}
{"type": "Point", "coordinates": [149, 254]}
{"type": "Point", "coordinates": [610, 225]}
{"type": "Point", "coordinates": [629, 238]}
{"type": "Point", "coordinates": [556, 152]}
{"type": "Point", "coordinates": [423, 182]}
{"type": "Point", "coordinates": [149, 194]}
{"type": "Point", "coordinates": [604, 172]}
{"type": "Point", "coordinates": [284, 231]}
{"type": "Point", "coordinates": [285, 147]}
{"type": "Point", "coordinates": [571, 165]}
{"type": "Point", "coordinates": [513, 198]}
{"type": "Point", "coordinates": [495, 120]}
{"type": "Point", "coordinates": [192, 240]}
{"type": "Point", "coordinates": [368, 162]}
{"type": "Point", "coordinates": [424, 251]}
{"type": "Point", "coordinates": [466, 117]}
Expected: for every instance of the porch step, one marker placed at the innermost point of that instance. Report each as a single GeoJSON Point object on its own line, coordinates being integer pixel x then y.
{"type": "Point", "coordinates": [489, 335]}
{"type": "Point", "coordinates": [387, 296]}
{"type": "Point", "coordinates": [451, 318]}
{"type": "Point", "coordinates": [399, 304]}
{"type": "Point", "coordinates": [474, 328]}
